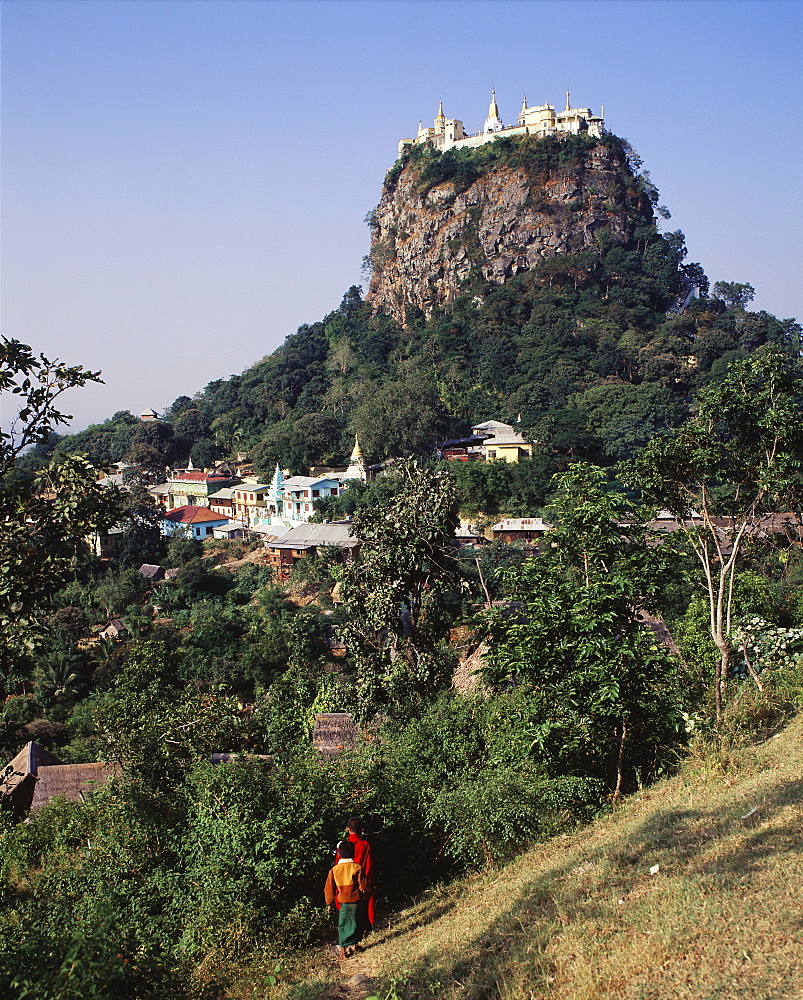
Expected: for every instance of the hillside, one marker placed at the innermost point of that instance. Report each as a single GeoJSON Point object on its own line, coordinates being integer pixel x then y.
{"type": "Point", "coordinates": [580, 917]}
{"type": "Point", "coordinates": [525, 281]}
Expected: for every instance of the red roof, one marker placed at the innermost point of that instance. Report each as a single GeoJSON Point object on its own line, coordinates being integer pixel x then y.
{"type": "Point", "coordinates": [200, 477]}
{"type": "Point", "coordinates": [193, 515]}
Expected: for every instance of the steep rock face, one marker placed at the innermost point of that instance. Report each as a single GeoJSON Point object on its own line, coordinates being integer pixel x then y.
{"type": "Point", "coordinates": [430, 243]}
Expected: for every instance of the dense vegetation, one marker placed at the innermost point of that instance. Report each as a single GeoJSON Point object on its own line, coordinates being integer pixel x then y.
{"type": "Point", "coordinates": [182, 870]}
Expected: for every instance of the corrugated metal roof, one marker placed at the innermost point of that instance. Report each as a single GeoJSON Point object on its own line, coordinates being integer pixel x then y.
{"type": "Point", "coordinates": [304, 482]}
{"type": "Point", "coordinates": [334, 533]}
{"type": "Point", "coordinates": [522, 524]}
{"type": "Point", "coordinates": [504, 437]}
{"type": "Point", "coordinates": [252, 487]}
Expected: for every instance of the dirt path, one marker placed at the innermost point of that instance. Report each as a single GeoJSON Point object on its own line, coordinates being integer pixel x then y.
{"type": "Point", "coordinates": [358, 978]}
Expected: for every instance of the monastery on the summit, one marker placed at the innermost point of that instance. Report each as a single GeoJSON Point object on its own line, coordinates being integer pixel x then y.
{"type": "Point", "coordinates": [537, 121]}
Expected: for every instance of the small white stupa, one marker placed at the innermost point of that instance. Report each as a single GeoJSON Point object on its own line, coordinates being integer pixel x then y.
{"type": "Point", "coordinates": [358, 468]}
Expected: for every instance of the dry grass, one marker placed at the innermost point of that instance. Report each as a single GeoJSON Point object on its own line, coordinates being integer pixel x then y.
{"type": "Point", "coordinates": [582, 918]}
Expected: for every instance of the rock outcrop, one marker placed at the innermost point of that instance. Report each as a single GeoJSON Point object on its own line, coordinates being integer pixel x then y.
{"type": "Point", "coordinates": [433, 242]}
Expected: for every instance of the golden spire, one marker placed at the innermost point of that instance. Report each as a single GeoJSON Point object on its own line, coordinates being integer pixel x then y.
{"type": "Point", "coordinates": [440, 118]}
{"type": "Point", "coordinates": [493, 110]}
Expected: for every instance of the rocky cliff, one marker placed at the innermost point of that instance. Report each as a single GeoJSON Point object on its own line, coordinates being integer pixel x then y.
{"type": "Point", "coordinates": [459, 222]}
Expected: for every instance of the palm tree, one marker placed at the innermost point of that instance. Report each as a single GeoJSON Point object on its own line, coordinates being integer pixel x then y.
{"type": "Point", "coordinates": [60, 676]}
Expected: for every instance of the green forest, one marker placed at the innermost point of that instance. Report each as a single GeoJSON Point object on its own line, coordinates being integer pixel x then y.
{"type": "Point", "coordinates": [186, 878]}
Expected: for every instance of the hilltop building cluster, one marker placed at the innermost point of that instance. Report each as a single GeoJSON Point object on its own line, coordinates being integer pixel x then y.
{"type": "Point", "coordinates": [202, 504]}
{"type": "Point", "coordinates": [216, 503]}
{"type": "Point", "coordinates": [539, 121]}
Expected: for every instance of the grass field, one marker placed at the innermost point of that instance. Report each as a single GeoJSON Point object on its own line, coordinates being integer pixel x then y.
{"type": "Point", "coordinates": [582, 918]}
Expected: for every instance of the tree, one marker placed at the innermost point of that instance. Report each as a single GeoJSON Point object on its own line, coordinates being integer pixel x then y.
{"type": "Point", "coordinates": [117, 591]}
{"type": "Point", "coordinates": [204, 453]}
{"type": "Point", "coordinates": [60, 676]}
{"type": "Point", "coordinates": [735, 294]}
{"type": "Point", "coordinates": [574, 637]}
{"type": "Point", "coordinates": [152, 446]}
{"type": "Point", "coordinates": [44, 518]}
{"type": "Point", "coordinates": [226, 429]}
{"type": "Point", "coordinates": [142, 540]}
{"type": "Point", "coordinates": [737, 459]}
{"type": "Point", "coordinates": [192, 423]}
{"type": "Point", "coordinates": [394, 592]}
{"type": "Point", "coordinates": [401, 416]}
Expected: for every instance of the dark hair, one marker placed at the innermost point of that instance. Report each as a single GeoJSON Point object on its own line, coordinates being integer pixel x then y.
{"type": "Point", "coordinates": [354, 824]}
{"type": "Point", "coordinates": [345, 849]}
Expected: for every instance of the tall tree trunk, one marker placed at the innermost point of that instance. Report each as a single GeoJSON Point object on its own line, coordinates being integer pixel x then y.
{"type": "Point", "coordinates": [617, 792]}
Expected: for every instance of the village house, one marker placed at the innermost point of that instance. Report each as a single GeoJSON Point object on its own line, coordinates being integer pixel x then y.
{"type": "Point", "coordinates": [191, 521]}
{"type": "Point", "coordinates": [151, 572]}
{"type": "Point", "coordinates": [310, 539]}
{"type": "Point", "coordinates": [300, 492]}
{"type": "Point", "coordinates": [334, 732]}
{"type": "Point", "coordinates": [467, 533]}
{"type": "Point", "coordinates": [501, 442]}
{"type": "Point", "coordinates": [189, 487]}
{"type": "Point", "coordinates": [105, 543]}
{"type": "Point", "coordinates": [490, 441]}
{"type": "Point", "coordinates": [520, 529]}
{"type": "Point", "coordinates": [116, 629]}
{"type": "Point", "coordinates": [159, 494]}
{"type": "Point", "coordinates": [463, 449]}
{"type": "Point", "coordinates": [222, 502]}
{"type": "Point", "coordinates": [230, 531]}
{"type": "Point", "coordinates": [252, 503]}
{"type": "Point", "coordinates": [35, 776]}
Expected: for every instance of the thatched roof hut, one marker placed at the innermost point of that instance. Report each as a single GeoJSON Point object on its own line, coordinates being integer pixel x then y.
{"type": "Point", "coordinates": [73, 782]}
{"type": "Point", "coordinates": [18, 777]}
{"type": "Point", "coordinates": [334, 732]}
{"type": "Point", "coordinates": [35, 776]}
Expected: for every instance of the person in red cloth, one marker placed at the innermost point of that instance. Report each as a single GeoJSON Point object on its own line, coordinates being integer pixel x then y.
{"type": "Point", "coordinates": [362, 857]}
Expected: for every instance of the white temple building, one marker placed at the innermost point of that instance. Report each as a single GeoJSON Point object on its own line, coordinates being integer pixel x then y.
{"type": "Point", "coordinates": [540, 121]}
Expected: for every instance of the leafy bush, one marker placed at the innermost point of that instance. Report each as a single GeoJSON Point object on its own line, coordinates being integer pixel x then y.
{"type": "Point", "coordinates": [493, 813]}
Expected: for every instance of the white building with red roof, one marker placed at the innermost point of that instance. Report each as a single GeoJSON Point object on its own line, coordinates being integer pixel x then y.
{"type": "Point", "coordinates": [193, 522]}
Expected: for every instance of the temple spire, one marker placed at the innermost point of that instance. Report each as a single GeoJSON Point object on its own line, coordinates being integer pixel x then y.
{"type": "Point", "coordinates": [493, 122]}
{"type": "Point", "coordinates": [568, 101]}
{"type": "Point", "coordinates": [358, 467]}
{"type": "Point", "coordinates": [493, 110]}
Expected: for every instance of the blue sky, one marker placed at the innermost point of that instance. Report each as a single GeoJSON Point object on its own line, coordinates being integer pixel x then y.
{"type": "Point", "coordinates": [184, 183]}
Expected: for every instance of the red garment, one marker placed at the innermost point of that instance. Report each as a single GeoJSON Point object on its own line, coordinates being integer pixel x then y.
{"type": "Point", "coordinates": [362, 857]}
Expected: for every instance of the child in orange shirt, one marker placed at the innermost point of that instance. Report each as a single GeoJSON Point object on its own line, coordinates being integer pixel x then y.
{"type": "Point", "coordinates": [346, 884]}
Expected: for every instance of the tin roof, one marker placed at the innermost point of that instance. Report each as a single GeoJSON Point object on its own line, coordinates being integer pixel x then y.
{"type": "Point", "coordinates": [522, 524]}
{"type": "Point", "coordinates": [305, 482]}
{"type": "Point", "coordinates": [306, 535]}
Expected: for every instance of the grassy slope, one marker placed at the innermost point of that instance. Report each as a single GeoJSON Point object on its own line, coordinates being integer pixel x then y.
{"type": "Point", "coordinates": [581, 917]}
